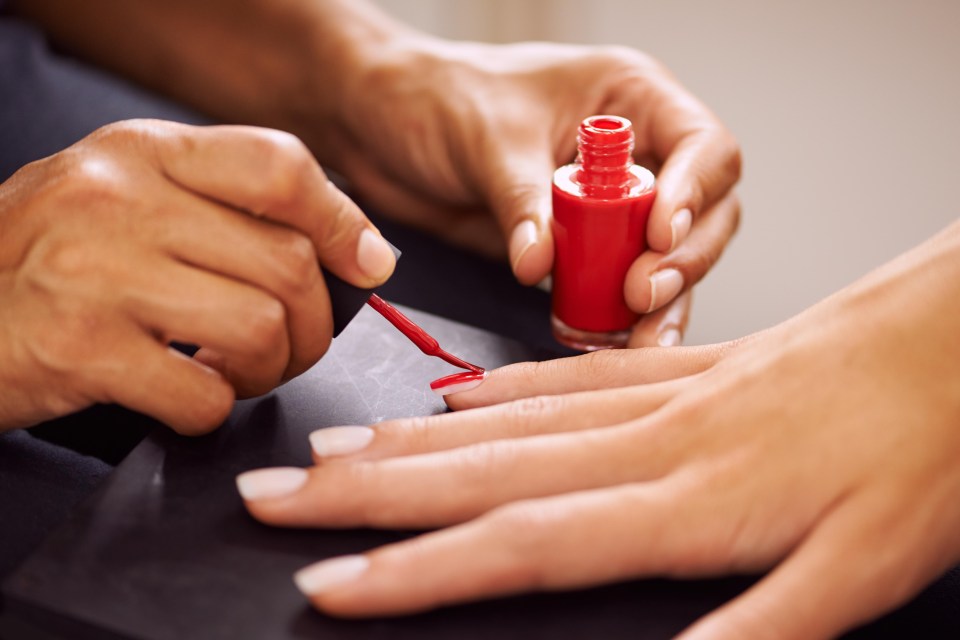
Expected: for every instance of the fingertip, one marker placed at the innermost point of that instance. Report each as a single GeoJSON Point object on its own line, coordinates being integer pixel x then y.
{"type": "Point", "coordinates": [375, 258]}
{"type": "Point", "coordinates": [322, 579]}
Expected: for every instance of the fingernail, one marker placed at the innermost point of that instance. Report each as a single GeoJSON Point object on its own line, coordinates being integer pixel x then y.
{"type": "Point", "coordinates": [670, 338]}
{"type": "Point", "coordinates": [340, 441]}
{"type": "Point", "coordinates": [680, 225]}
{"type": "Point", "coordinates": [664, 287]}
{"type": "Point", "coordinates": [458, 383]}
{"type": "Point", "coordinates": [329, 574]}
{"type": "Point", "coordinates": [523, 237]}
{"type": "Point", "coordinates": [270, 483]}
{"type": "Point", "coordinates": [374, 256]}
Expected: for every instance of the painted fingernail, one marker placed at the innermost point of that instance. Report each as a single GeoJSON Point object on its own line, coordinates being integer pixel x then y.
{"type": "Point", "coordinates": [664, 287]}
{"type": "Point", "coordinates": [680, 225]}
{"type": "Point", "coordinates": [340, 441]}
{"type": "Point", "coordinates": [524, 236]}
{"type": "Point", "coordinates": [270, 483]}
{"type": "Point", "coordinates": [458, 382]}
{"type": "Point", "coordinates": [329, 574]}
{"type": "Point", "coordinates": [374, 256]}
{"type": "Point", "coordinates": [670, 338]}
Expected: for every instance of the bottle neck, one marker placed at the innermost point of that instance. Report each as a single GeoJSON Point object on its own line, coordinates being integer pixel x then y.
{"type": "Point", "coordinates": [605, 145]}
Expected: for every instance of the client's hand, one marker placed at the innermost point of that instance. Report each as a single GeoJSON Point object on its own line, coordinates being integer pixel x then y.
{"type": "Point", "coordinates": [823, 450]}
{"type": "Point", "coordinates": [146, 233]}
{"type": "Point", "coordinates": [442, 133]}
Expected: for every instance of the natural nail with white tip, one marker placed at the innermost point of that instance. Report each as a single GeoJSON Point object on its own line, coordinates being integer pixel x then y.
{"type": "Point", "coordinates": [524, 236]}
{"type": "Point", "coordinates": [329, 574]}
{"type": "Point", "coordinates": [374, 256]}
{"type": "Point", "coordinates": [664, 287]}
{"type": "Point", "coordinates": [340, 441]}
{"type": "Point", "coordinates": [274, 482]}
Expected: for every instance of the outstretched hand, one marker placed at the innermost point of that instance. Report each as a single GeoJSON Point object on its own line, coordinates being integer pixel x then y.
{"type": "Point", "coordinates": [822, 451]}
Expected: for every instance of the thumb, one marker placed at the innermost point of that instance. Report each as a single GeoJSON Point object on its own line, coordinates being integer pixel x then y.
{"type": "Point", "coordinates": [518, 190]}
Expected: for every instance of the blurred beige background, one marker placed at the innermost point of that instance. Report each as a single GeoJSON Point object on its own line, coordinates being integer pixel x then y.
{"type": "Point", "coordinates": [847, 111]}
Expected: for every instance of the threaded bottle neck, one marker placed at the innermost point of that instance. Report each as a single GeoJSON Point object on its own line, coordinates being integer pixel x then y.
{"type": "Point", "coordinates": [605, 145]}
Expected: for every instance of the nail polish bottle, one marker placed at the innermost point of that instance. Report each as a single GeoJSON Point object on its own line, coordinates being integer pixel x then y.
{"type": "Point", "coordinates": [601, 204]}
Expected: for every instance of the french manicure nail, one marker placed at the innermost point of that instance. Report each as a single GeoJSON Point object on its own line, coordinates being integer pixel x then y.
{"type": "Point", "coordinates": [340, 441]}
{"type": "Point", "coordinates": [329, 574]}
{"type": "Point", "coordinates": [664, 287]}
{"type": "Point", "coordinates": [374, 256]}
{"type": "Point", "coordinates": [274, 482]}
{"type": "Point", "coordinates": [680, 225]}
{"type": "Point", "coordinates": [523, 237]}
{"type": "Point", "coordinates": [670, 338]}
{"type": "Point", "coordinates": [458, 382]}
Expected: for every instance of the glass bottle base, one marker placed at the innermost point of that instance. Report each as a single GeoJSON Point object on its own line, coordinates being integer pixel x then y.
{"type": "Point", "coordinates": [587, 340]}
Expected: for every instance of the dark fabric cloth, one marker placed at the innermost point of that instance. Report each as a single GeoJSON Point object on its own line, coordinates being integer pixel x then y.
{"type": "Point", "coordinates": [49, 101]}
{"type": "Point", "coordinates": [40, 483]}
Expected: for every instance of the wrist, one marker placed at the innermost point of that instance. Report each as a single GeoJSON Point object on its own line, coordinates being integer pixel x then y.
{"type": "Point", "coordinates": [344, 43]}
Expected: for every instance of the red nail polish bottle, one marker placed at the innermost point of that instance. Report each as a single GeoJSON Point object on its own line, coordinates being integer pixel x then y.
{"type": "Point", "coordinates": [601, 204]}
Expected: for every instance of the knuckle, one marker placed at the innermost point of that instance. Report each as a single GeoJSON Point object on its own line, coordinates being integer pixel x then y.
{"type": "Point", "coordinates": [602, 368]}
{"type": "Point", "coordinates": [516, 197]}
{"type": "Point", "coordinates": [623, 62]}
{"type": "Point", "coordinates": [208, 410]}
{"type": "Point", "coordinates": [525, 529]}
{"type": "Point", "coordinates": [265, 325]}
{"type": "Point", "coordinates": [525, 414]}
{"type": "Point", "coordinates": [288, 167]}
{"type": "Point", "coordinates": [298, 261]}
{"type": "Point", "coordinates": [417, 433]}
{"type": "Point", "coordinates": [341, 220]}
{"type": "Point", "coordinates": [732, 155]}
{"type": "Point", "coordinates": [138, 131]}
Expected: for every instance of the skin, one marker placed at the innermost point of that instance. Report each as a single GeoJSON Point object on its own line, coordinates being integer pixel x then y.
{"type": "Point", "coordinates": [457, 138]}
{"type": "Point", "coordinates": [148, 232]}
{"type": "Point", "coordinates": [821, 452]}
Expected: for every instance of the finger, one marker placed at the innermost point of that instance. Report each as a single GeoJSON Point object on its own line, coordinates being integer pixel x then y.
{"type": "Point", "coordinates": [280, 261]}
{"type": "Point", "coordinates": [163, 383]}
{"type": "Point", "coordinates": [517, 184]}
{"type": "Point", "coordinates": [272, 174]}
{"type": "Point", "coordinates": [518, 419]}
{"type": "Point", "coordinates": [855, 550]}
{"type": "Point", "coordinates": [547, 544]}
{"type": "Point", "coordinates": [442, 488]}
{"type": "Point", "coordinates": [665, 327]}
{"type": "Point", "coordinates": [701, 158]}
{"type": "Point", "coordinates": [654, 279]}
{"type": "Point", "coordinates": [178, 303]}
{"type": "Point", "coordinates": [612, 368]}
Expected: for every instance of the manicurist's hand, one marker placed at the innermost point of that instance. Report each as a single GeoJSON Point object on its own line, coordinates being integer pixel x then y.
{"type": "Point", "coordinates": [822, 451]}
{"type": "Point", "coordinates": [441, 134]}
{"type": "Point", "coordinates": [147, 233]}
{"type": "Point", "coordinates": [457, 138]}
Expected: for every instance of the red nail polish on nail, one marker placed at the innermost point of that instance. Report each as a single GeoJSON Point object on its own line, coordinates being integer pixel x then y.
{"type": "Point", "coordinates": [458, 382]}
{"type": "Point", "coordinates": [601, 204]}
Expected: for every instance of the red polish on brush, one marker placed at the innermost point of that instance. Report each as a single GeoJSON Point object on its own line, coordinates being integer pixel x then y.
{"type": "Point", "coordinates": [601, 204]}
{"type": "Point", "coordinates": [429, 345]}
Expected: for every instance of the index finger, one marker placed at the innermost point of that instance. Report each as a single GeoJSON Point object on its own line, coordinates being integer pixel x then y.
{"type": "Point", "coordinates": [598, 370]}
{"type": "Point", "coordinates": [700, 157]}
{"type": "Point", "coordinates": [272, 174]}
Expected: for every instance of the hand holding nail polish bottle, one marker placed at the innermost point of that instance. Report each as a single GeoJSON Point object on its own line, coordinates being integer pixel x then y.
{"type": "Point", "coordinates": [601, 204]}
